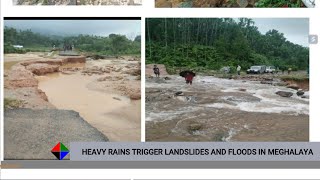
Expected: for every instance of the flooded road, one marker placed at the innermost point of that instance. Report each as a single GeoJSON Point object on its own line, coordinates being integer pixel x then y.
{"type": "Point", "coordinates": [215, 109]}
{"type": "Point", "coordinates": [116, 116]}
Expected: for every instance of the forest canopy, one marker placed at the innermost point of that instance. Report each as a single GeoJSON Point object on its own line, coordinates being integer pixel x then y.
{"type": "Point", "coordinates": [114, 44]}
{"type": "Point", "coordinates": [212, 43]}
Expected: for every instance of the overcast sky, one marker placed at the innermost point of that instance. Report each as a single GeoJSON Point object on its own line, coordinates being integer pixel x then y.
{"type": "Point", "coordinates": [295, 30]}
{"type": "Point", "coordinates": [130, 28]}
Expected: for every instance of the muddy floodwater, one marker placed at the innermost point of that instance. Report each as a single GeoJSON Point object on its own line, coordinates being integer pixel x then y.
{"type": "Point", "coordinates": [116, 116]}
{"type": "Point", "coordinates": [216, 109]}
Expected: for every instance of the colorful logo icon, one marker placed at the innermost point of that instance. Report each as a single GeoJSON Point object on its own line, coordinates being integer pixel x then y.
{"type": "Point", "coordinates": [60, 151]}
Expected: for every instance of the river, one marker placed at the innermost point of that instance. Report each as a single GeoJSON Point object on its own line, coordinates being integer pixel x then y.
{"type": "Point", "coordinates": [114, 115]}
{"type": "Point", "coordinates": [225, 106]}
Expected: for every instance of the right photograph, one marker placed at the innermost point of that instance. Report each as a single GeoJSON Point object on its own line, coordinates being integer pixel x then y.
{"type": "Point", "coordinates": [235, 3]}
{"type": "Point", "coordinates": [227, 79]}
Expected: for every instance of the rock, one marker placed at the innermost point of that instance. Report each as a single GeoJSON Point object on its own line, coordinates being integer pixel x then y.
{"type": "Point", "coordinates": [179, 93]}
{"type": "Point", "coordinates": [116, 98]}
{"type": "Point", "coordinates": [195, 127]}
{"type": "Point", "coordinates": [266, 82]}
{"type": "Point", "coordinates": [284, 94]}
{"type": "Point", "coordinates": [167, 78]}
{"type": "Point", "coordinates": [293, 86]}
{"type": "Point", "coordinates": [300, 93]}
{"type": "Point", "coordinates": [243, 90]}
{"type": "Point", "coordinates": [305, 96]}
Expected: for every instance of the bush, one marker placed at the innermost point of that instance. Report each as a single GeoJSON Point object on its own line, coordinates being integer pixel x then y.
{"type": "Point", "coordinates": [12, 103]}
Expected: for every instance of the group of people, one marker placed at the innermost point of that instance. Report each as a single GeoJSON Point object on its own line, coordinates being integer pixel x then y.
{"type": "Point", "coordinates": [188, 75]}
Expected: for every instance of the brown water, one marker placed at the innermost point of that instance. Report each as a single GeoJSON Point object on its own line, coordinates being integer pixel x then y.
{"type": "Point", "coordinates": [119, 120]}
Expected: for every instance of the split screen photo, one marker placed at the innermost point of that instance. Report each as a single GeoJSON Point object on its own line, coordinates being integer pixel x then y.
{"type": "Point", "coordinates": [206, 80]}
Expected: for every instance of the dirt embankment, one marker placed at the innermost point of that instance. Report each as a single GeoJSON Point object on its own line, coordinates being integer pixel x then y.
{"type": "Point", "coordinates": [20, 82]}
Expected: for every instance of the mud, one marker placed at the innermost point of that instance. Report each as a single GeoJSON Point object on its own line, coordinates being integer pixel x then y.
{"type": "Point", "coordinates": [215, 109]}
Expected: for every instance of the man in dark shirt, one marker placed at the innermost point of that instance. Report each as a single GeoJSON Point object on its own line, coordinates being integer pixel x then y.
{"type": "Point", "coordinates": [156, 71]}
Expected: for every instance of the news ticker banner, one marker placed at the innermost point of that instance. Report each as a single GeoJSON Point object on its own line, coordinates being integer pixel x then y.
{"type": "Point", "coordinates": [195, 151]}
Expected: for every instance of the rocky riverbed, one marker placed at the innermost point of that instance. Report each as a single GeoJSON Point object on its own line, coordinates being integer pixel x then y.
{"type": "Point", "coordinates": [217, 109]}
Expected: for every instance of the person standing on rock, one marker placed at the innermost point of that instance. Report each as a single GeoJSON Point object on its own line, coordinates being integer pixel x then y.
{"type": "Point", "coordinates": [156, 71]}
{"type": "Point", "coordinates": [238, 70]}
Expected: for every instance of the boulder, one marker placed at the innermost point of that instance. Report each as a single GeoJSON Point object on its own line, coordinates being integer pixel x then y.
{"type": "Point", "coordinates": [179, 93]}
{"type": "Point", "coordinates": [284, 94]}
{"type": "Point", "coordinates": [300, 93]}
{"type": "Point", "coordinates": [195, 127]}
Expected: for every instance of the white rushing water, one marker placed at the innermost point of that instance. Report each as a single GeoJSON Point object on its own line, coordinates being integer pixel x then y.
{"type": "Point", "coordinates": [269, 101]}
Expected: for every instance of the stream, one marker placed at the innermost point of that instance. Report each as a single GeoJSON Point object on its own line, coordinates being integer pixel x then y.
{"type": "Point", "coordinates": [225, 107]}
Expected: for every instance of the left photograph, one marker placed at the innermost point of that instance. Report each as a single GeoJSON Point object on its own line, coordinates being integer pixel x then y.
{"type": "Point", "coordinates": [69, 80]}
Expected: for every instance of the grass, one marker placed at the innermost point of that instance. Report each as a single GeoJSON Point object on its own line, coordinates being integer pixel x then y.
{"type": "Point", "coordinates": [12, 103]}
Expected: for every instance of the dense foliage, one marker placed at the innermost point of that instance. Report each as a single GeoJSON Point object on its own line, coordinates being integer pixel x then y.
{"type": "Point", "coordinates": [114, 44]}
{"type": "Point", "coordinates": [280, 3]}
{"type": "Point", "coordinates": [217, 42]}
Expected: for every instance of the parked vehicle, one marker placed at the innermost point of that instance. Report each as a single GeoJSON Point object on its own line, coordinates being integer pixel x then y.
{"type": "Point", "coordinates": [256, 70]}
{"type": "Point", "coordinates": [270, 69]}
